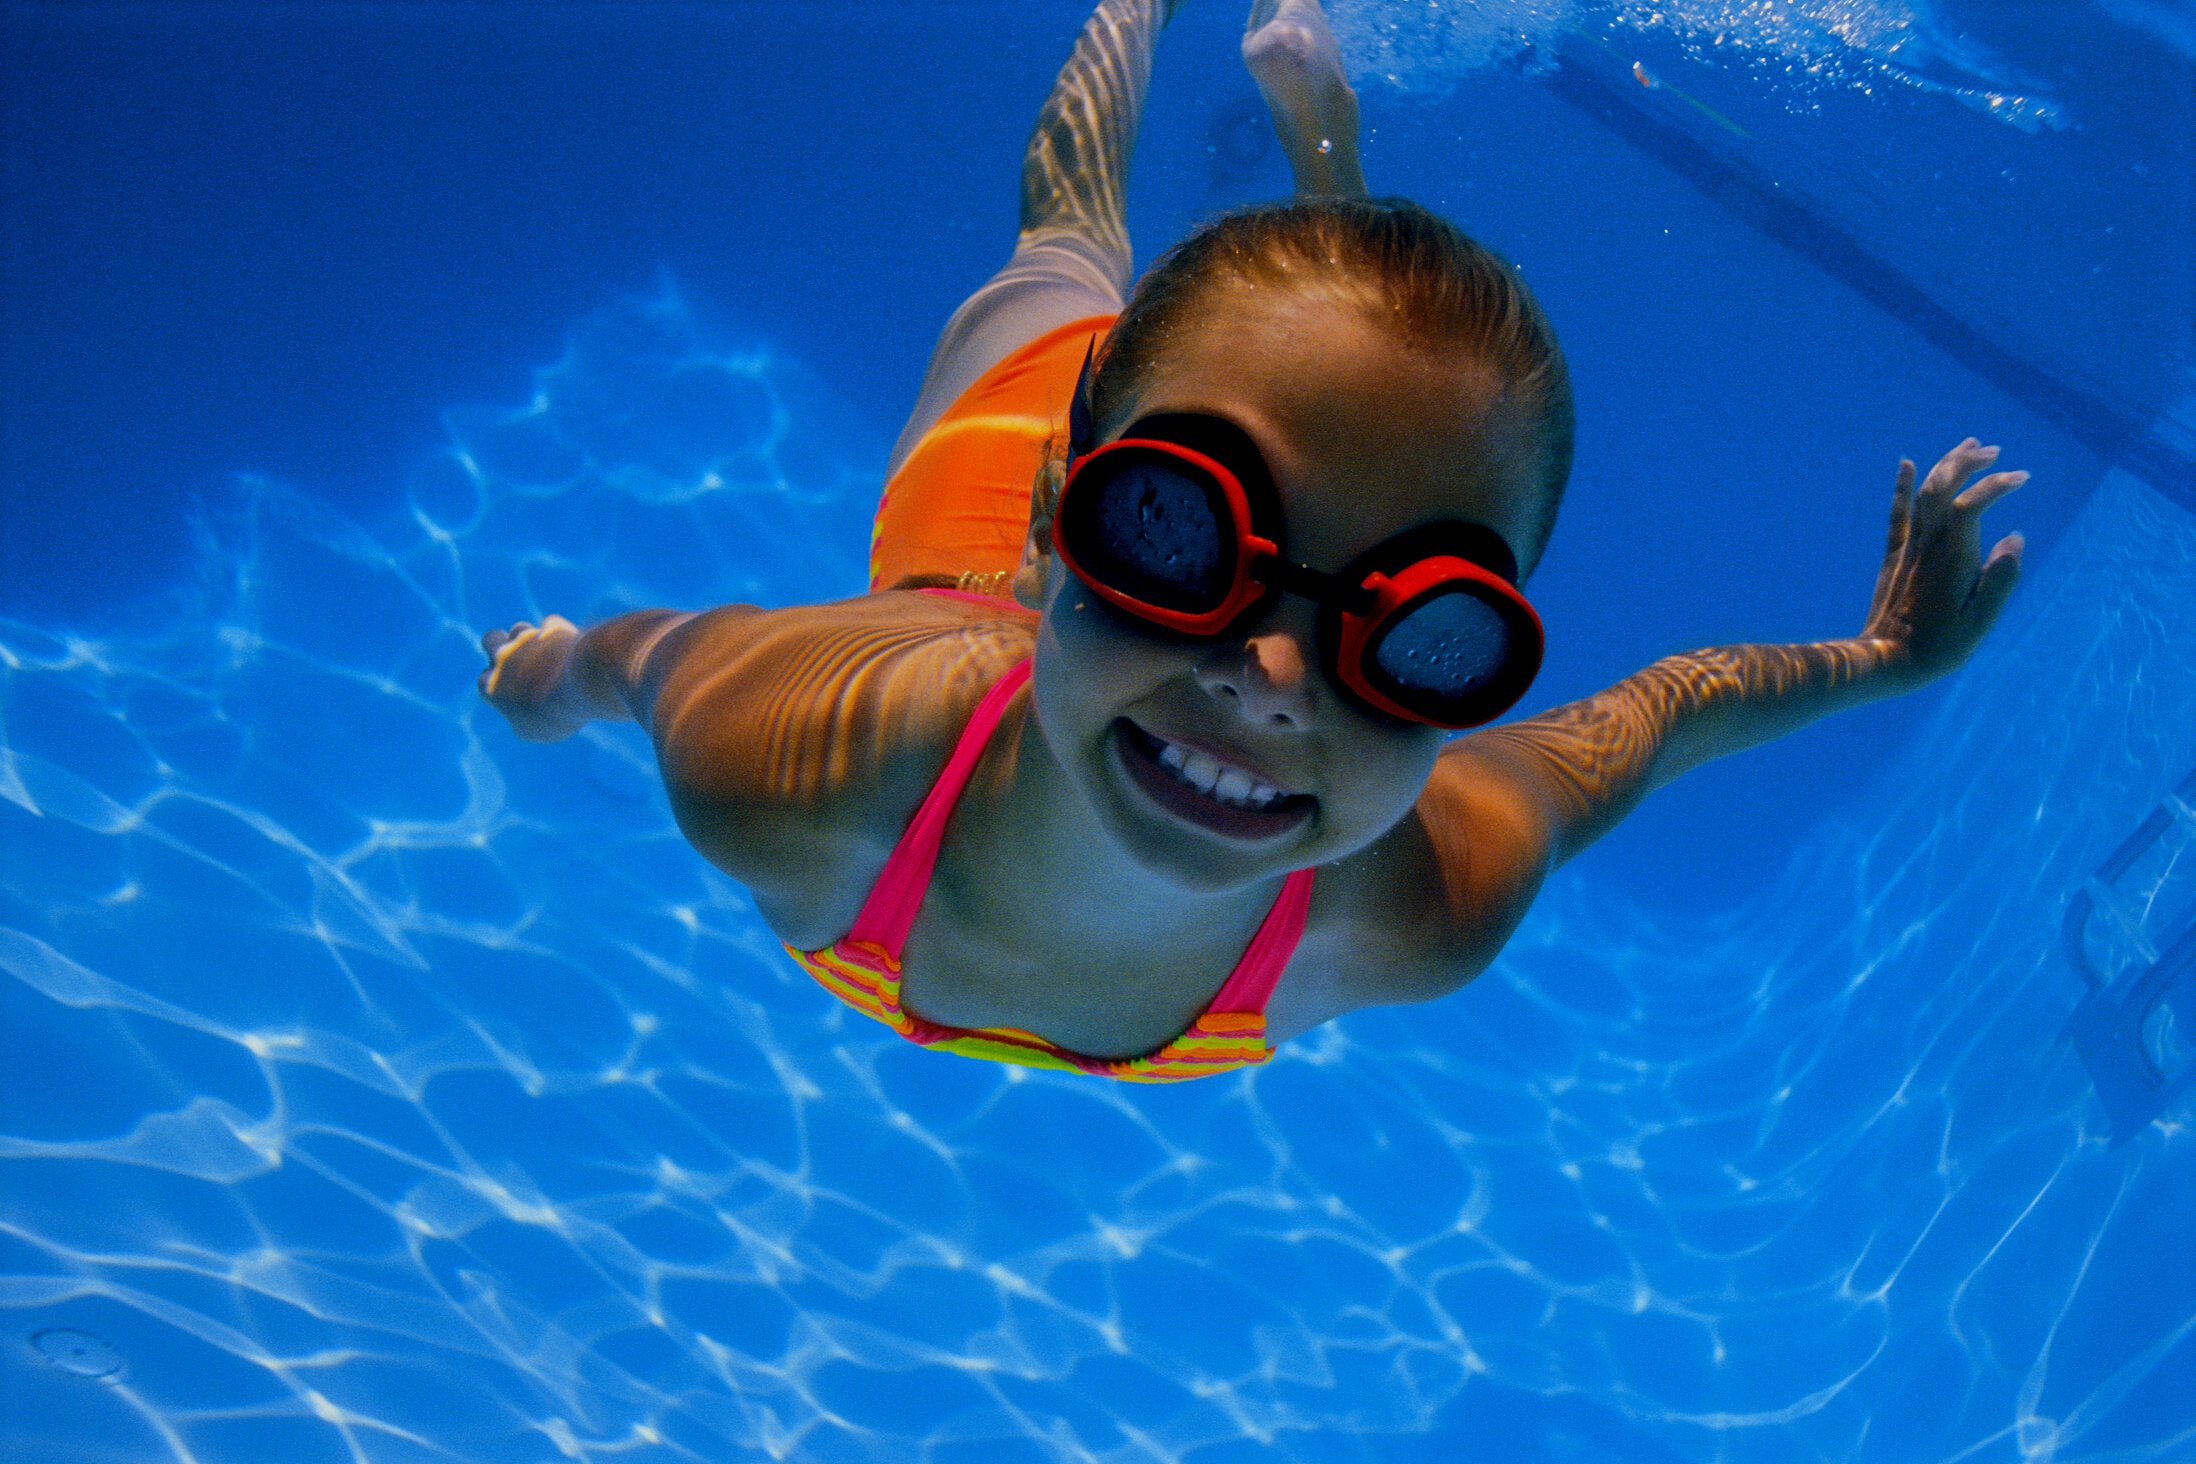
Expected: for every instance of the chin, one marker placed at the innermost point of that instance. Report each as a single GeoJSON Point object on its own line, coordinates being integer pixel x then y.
{"type": "Point", "coordinates": [1199, 869]}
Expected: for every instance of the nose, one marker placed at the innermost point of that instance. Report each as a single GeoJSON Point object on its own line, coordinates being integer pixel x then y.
{"type": "Point", "coordinates": [1266, 678]}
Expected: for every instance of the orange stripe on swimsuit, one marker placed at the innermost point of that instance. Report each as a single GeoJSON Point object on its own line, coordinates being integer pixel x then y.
{"type": "Point", "coordinates": [960, 502]}
{"type": "Point", "coordinates": [862, 968]}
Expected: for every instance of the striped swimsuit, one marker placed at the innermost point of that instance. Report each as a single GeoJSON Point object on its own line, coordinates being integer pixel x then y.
{"type": "Point", "coordinates": [862, 968]}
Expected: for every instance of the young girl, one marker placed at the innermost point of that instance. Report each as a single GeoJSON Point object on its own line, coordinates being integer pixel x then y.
{"type": "Point", "coordinates": [1136, 759]}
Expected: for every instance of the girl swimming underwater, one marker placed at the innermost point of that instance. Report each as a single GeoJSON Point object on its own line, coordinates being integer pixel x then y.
{"type": "Point", "coordinates": [1136, 760]}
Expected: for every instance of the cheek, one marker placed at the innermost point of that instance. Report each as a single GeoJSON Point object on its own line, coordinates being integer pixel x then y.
{"type": "Point", "coordinates": [1090, 664]}
{"type": "Point", "coordinates": [1387, 770]}
{"type": "Point", "coordinates": [1131, 650]}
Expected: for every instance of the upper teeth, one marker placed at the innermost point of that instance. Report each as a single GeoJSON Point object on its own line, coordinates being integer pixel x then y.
{"type": "Point", "coordinates": [1208, 775]}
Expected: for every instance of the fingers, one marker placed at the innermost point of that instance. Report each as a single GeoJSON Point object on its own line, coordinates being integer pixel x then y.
{"type": "Point", "coordinates": [1988, 490]}
{"type": "Point", "coordinates": [524, 630]}
{"type": "Point", "coordinates": [1999, 574]}
{"type": "Point", "coordinates": [1943, 502]}
{"type": "Point", "coordinates": [1902, 506]}
{"type": "Point", "coordinates": [494, 640]}
{"type": "Point", "coordinates": [499, 644]}
{"type": "Point", "coordinates": [1945, 478]}
{"type": "Point", "coordinates": [1902, 517]}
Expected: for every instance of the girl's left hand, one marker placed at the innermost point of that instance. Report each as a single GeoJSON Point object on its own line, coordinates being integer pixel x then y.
{"type": "Point", "coordinates": [1936, 597]}
{"type": "Point", "coordinates": [526, 680]}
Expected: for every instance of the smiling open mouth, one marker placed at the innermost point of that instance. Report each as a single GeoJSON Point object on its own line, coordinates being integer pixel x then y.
{"type": "Point", "coordinates": [1194, 786]}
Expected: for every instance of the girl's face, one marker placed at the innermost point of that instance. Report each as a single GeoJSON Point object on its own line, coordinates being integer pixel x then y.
{"type": "Point", "coordinates": [1366, 437]}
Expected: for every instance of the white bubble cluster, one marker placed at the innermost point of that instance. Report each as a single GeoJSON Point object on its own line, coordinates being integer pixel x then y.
{"type": "Point", "coordinates": [1793, 51]}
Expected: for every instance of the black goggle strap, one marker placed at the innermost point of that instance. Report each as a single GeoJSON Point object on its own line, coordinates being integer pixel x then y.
{"type": "Point", "coordinates": [1476, 543]}
{"type": "Point", "coordinates": [1346, 589]}
{"type": "Point", "coordinates": [1490, 551]}
{"type": "Point", "coordinates": [1079, 430]}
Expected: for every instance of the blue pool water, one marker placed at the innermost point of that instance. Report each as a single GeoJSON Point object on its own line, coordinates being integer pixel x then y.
{"type": "Point", "coordinates": [380, 1088]}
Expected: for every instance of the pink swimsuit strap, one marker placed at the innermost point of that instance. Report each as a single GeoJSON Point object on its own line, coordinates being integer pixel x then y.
{"type": "Point", "coordinates": [889, 912]}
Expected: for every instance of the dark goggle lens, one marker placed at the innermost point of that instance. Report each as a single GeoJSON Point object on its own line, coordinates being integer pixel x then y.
{"type": "Point", "coordinates": [1447, 650]}
{"type": "Point", "coordinates": [1153, 531]}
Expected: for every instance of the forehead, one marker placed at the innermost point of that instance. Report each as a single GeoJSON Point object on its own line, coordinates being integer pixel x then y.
{"type": "Point", "coordinates": [1367, 434]}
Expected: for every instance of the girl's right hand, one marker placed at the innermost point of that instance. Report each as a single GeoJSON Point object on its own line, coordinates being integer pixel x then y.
{"type": "Point", "coordinates": [1937, 594]}
{"type": "Point", "coordinates": [525, 679]}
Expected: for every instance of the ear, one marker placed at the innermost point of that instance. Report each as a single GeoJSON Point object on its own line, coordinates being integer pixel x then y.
{"type": "Point", "coordinates": [1044, 496]}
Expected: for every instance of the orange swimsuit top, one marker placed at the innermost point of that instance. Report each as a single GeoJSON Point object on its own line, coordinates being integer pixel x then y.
{"type": "Point", "coordinates": [862, 968]}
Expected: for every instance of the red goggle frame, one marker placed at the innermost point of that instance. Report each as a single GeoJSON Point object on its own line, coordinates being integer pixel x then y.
{"type": "Point", "coordinates": [1372, 597]}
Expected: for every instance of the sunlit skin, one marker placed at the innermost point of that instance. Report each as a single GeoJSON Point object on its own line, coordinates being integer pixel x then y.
{"type": "Point", "coordinates": [795, 744]}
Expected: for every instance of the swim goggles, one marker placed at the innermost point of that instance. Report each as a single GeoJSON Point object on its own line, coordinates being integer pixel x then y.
{"type": "Point", "coordinates": [1178, 524]}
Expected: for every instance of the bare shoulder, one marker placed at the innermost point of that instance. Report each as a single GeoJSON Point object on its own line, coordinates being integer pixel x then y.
{"type": "Point", "coordinates": [1423, 909]}
{"type": "Point", "coordinates": [795, 741]}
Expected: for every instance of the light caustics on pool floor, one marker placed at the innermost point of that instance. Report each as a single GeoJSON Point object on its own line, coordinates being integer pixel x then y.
{"type": "Point", "coordinates": [381, 1088]}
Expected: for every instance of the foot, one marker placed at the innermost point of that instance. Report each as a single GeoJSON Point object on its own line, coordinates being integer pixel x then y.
{"type": "Point", "coordinates": [1293, 57]}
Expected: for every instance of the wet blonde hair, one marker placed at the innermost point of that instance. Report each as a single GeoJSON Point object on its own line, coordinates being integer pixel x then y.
{"type": "Point", "coordinates": [1443, 291]}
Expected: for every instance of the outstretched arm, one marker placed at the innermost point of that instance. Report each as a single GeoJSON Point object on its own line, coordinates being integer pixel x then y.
{"type": "Point", "coordinates": [776, 731]}
{"type": "Point", "coordinates": [1570, 775]}
{"type": "Point", "coordinates": [1591, 762]}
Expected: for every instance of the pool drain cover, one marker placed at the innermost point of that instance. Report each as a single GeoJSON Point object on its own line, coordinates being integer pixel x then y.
{"type": "Point", "coordinates": [82, 1353]}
